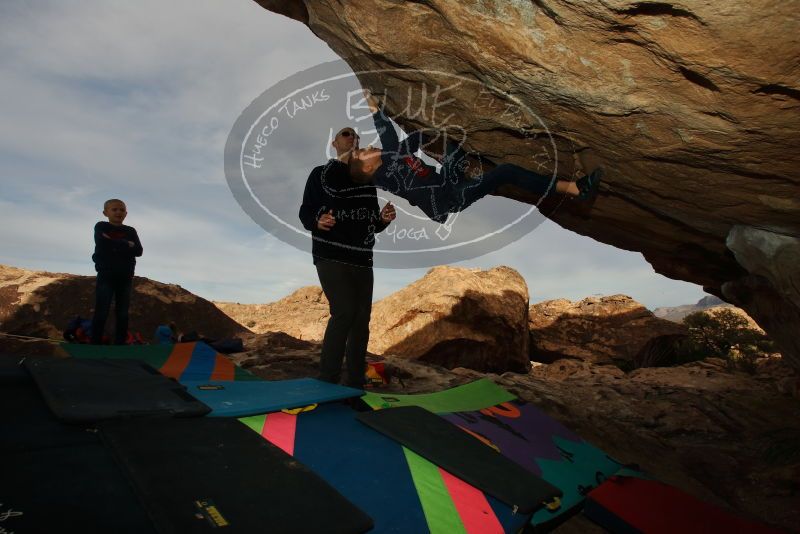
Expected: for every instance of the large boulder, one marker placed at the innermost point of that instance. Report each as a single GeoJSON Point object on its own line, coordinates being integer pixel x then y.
{"type": "Point", "coordinates": [36, 303]}
{"type": "Point", "coordinates": [304, 314]}
{"type": "Point", "coordinates": [692, 105]}
{"type": "Point", "coordinates": [601, 330]}
{"type": "Point", "coordinates": [457, 317]}
{"type": "Point", "coordinates": [770, 291]}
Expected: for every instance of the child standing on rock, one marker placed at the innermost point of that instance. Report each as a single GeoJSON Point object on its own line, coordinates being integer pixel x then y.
{"type": "Point", "coordinates": [116, 248]}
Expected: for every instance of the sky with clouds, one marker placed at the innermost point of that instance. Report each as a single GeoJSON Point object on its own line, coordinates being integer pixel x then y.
{"type": "Point", "coordinates": [136, 100]}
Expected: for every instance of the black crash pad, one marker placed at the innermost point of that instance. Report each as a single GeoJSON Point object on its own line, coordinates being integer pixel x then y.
{"type": "Point", "coordinates": [11, 370]}
{"type": "Point", "coordinates": [27, 424]}
{"type": "Point", "coordinates": [79, 390]}
{"type": "Point", "coordinates": [462, 455]}
{"type": "Point", "coordinates": [75, 488]}
{"type": "Point", "coordinates": [57, 477]}
{"type": "Point", "coordinates": [196, 475]}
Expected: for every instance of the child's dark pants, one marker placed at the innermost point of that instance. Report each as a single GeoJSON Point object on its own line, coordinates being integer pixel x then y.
{"type": "Point", "coordinates": [117, 286]}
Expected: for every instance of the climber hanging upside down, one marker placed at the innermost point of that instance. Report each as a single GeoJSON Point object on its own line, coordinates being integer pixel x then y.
{"type": "Point", "coordinates": [396, 169]}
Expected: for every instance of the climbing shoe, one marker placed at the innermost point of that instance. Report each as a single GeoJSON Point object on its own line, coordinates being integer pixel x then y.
{"type": "Point", "coordinates": [588, 184]}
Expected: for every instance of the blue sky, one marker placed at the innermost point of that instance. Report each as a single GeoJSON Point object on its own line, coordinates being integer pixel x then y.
{"type": "Point", "coordinates": [135, 100]}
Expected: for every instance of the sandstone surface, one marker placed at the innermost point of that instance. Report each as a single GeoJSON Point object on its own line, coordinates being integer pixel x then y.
{"type": "Point", "coordinates": [691, 104]}
{"type": "Point", "coordinates": [457, 317]}
{"type": "Point", "coordinates": [303, 314]}
{"type": "Point", "coordinates": [601, 330]}
{"type": "Point", "coordinates": [36, 303]}
{"type": "Point", "coordinates": [452, 316]}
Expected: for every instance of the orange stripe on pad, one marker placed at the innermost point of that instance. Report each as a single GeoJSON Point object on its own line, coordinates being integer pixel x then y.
{"type": "Point", "coordinates": [474, 509]}
{"type": "Point", "coordinates": [178, 360]}
{"type": "Point", "coordinates": [224, 369]}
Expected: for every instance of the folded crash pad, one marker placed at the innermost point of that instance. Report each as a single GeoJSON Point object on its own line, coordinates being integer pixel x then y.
{"type": "Point", "coordinates": [181, 361]}
{"type": "Point", "coordinates": [403, 492]}
{"type": "Point", "coordinates": [93, 390]}
{"type": "Point", "coordinates": [462, 455]}
{"type": "Point", "coordinates": [239, 399]}
{"type": "Point", "coordinates": [197, 474]}
{"type": "Point", "coordinates": [631, 505]}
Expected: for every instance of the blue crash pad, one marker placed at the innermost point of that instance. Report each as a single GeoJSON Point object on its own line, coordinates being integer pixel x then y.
{"type": "Point", "coordinates": [253, 397]}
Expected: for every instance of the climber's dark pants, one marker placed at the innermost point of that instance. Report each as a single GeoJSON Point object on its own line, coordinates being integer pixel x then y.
{"type": "Point", "coordinates": [466, 191]}
{"type": "Point", "coordinates": [458, 192]}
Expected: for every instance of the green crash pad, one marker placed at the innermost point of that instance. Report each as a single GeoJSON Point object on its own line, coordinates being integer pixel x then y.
{"type": "Point", "coordinates": [469, 397]}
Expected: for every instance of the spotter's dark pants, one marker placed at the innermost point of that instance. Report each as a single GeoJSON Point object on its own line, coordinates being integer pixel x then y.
{"type": "Point", "coordinates": [116, 286]}
{"type": "Point", "coordinates": [349, 292]}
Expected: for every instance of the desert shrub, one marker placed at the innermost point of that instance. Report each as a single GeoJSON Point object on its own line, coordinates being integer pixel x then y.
{"type": "Point", "coordinates": [725, 334]}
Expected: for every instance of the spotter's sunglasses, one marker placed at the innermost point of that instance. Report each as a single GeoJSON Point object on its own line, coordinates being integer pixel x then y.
{"type": "Point", "coordinates": [348, 133]}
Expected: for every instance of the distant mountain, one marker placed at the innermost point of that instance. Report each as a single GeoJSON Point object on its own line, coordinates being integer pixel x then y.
{"type": "Point", "coordinates": [677, 313]}
{"type": "Point", "coordinates": [711, 300]}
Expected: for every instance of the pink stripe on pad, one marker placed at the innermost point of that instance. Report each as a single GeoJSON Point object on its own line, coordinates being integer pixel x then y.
{"type": "Point", "coordinates": [473, 507]}
{"type": "Point", "coordinates": [279, 429]}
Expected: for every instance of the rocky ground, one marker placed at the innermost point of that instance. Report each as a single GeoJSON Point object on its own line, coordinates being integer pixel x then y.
{"type": "Point", "coordinates": [724, 436]}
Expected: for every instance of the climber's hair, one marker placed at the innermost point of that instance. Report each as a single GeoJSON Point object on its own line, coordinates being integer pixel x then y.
{"type": "Point", "coordinates": [358, 173]}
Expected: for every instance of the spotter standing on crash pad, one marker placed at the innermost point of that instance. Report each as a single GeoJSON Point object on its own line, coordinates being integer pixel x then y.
{"type": "Point", "coordinates": [343, 218]}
